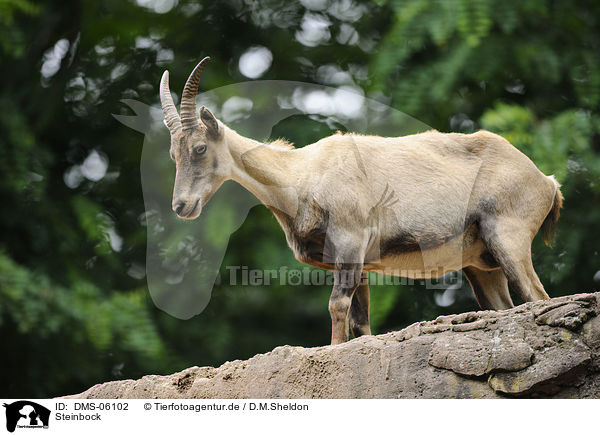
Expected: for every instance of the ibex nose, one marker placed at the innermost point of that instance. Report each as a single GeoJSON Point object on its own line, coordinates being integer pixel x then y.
{"type": "Point", "coordinates": [178, 207]}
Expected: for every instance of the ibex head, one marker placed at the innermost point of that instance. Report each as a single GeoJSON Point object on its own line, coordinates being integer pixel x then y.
{"type": "Point", "coordinates": [196, 147]}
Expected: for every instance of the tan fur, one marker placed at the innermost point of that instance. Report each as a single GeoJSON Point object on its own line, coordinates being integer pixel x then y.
{"type": "Point", "coordinates": [549, 224]}
{"type": "Point", "coordinates": [281, 144]}
{"type": "Point", "coordinates": [418, 206]}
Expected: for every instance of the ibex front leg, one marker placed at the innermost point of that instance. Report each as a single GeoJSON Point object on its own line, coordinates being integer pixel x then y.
{"type": "Point", "coordinates": [346, 279]}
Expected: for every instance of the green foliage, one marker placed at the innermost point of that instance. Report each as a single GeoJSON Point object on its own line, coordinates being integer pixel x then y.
{"type": "Point", "coordinates": [24, 166]}
{"type": "Point", "coordinates": [13, 39]}
{"type": "Point", "coordinates": [561, 145]}
{"type": "Point", "coordinates": [82, 316]}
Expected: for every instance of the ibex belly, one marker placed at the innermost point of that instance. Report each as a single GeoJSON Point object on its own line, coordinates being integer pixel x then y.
{"type": "Point", "coordinates": [425, 262]}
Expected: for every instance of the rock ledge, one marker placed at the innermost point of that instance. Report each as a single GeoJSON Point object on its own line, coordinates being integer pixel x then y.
{"type": "Point", "coordinates": [539, 349]}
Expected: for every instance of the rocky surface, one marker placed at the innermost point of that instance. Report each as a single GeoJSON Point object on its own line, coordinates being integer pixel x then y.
{"type": "Point", "coordinates": [539, 349]}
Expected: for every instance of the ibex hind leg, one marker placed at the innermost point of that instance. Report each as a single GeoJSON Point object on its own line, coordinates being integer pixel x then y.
{"type": "Point", "coordinates": [539, 293]}
{"type": "Point", "coordinates": [510, 245]}
{"type": "Point", "coordinates": [490, 288]}
{"type": "Point", "coordinates": [359, 309]}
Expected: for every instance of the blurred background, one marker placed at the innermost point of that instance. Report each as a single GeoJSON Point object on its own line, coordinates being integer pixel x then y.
{"type": "Point", "coordinates": [74, 303]}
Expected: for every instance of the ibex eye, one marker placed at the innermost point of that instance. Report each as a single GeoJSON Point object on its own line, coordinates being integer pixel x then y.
{"type": "Point", "coordinates": [199, 150]}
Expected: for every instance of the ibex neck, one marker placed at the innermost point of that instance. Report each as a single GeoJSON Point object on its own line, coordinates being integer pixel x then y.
{"type": "Point", "coordinates": [266, 171]}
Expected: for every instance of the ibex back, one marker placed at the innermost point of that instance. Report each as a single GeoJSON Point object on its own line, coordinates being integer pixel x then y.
{"type": "Point", "coordinates": [417, 206]}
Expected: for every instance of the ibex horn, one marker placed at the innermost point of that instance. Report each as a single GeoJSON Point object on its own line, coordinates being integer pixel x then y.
{"type": "Point", "coordinates": [188, 97]}
{"type": "Point", "coordinates": [168, 107]}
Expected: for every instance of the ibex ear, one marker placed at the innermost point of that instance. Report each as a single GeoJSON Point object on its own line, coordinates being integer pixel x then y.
{"type": "Point", "coordinates": [209, 120]}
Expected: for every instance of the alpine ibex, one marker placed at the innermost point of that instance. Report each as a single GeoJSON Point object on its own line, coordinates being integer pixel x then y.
{"type": "Point", "coordinates": [419, 206]}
